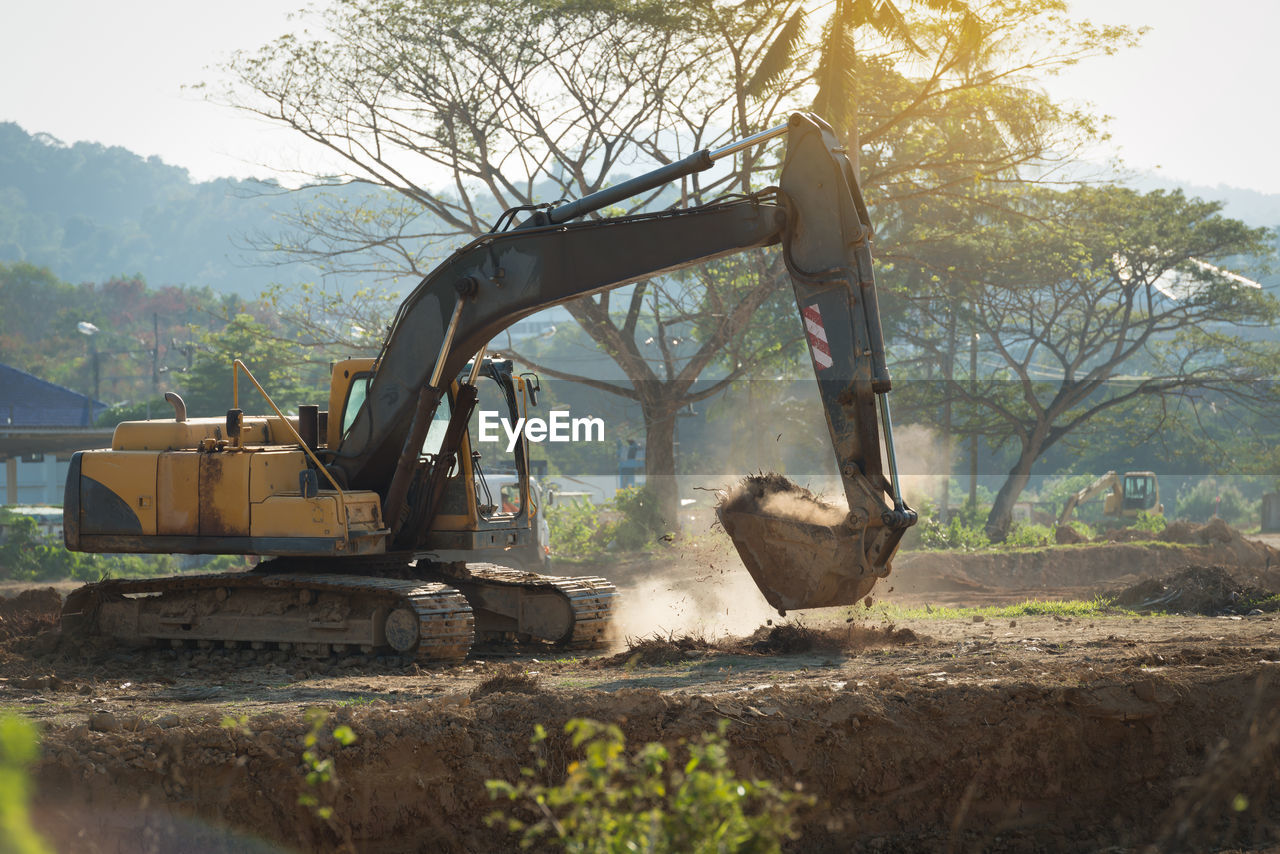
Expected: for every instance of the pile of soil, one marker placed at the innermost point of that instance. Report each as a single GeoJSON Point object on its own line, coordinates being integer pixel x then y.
{"type": "Point", "coordinates": [511, 680]}
{"type": "Point", "coordinates": [773, 494]}
{"type": "Point", "coordinates": [784, 639]}
{"type": "Point", "coordinates": [790, 638]}
{"type": "Point", "coordinates": [1213, 531]}
{"type": "Point", "coordinates": [29, 613]}
{"type": "Point", "coordinates": [1180, 531]}
{"type": "Point", "coordinates": [1199, 590]}
{"type": "Point", "coordinates": [658, 650]}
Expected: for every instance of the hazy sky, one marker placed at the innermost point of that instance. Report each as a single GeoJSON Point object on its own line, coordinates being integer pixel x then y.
{"type": "Point", "coordinates": [1195, 101]}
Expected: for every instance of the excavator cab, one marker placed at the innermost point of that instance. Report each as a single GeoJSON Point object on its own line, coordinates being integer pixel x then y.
{"type": "Point", "coordinates": [473, 520]}
{"type": "Point", "coordinates": [1140, 491]}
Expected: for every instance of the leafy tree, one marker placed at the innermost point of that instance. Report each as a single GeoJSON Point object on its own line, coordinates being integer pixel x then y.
{"type": "Point", "coordinates": [465, 109]}
{"type": "Point", "coordinates": [142, 337]}
{"type": "Point", "coordinates": [1212, 497]}
{"type": "Point", "coordinates": [275, 363]}
{"type": "Point", "coordinates": [836, 66]}
{"type": "Point", "coordinates": [1087, 301]}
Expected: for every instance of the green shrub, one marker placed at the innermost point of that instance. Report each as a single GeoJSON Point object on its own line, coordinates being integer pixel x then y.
{"type": "Point", "coordinates": [19, 746]}
{"type": "Point", "coordinates": [320, 777]}
{"type": "Point", "coordinates": [641, 521]}
{"type": "Point", "coordinates": [956, 534]}
{"type": "Point", "coordinates": [1209, 496]}
{"type": "Point", "coordinates": [579, 529]}
{"type": "Point", "coordinates": [225, 563]}
{"type": "Point", "coordinates": [576, 529]}
{"type": "Point", "coordinates": [1022, 535]}
{"type": "Point", "coordinates": [1084, 529]}
{"type": "Point", "coordinates": [611, 803]}
{"type": "Point", "coordinates": [1152, 523]}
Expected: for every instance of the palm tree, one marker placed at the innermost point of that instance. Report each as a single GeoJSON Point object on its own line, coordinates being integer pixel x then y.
{"type": "Point", "coordinates": [836, 72]}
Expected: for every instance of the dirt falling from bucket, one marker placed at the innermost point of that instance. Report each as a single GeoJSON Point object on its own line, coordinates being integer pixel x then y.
{"type": "Point", "coordinates": [773, 494]}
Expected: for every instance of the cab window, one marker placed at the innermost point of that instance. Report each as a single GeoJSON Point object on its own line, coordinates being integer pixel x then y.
{"type": "Point", "coordinates": [356, 394]}
{"type": "Point", "coordinates": [439, 425]}
{"type": "Point", "coordinates": [495, 466]}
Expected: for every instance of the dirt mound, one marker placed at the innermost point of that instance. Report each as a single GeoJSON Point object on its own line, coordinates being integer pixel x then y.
{"type": "Point", "coordinates": [909, 765]}
{"type": "Point", "coordinates": [784, 639]}
{"type": "Point", "coordinates": [1198, 590]}
{"type": "Point", "coordinates": [1214, 531]}
{"type": "Point", "coordinates": [29, 613]}
{"type": "Point", "coordinates": [790, 638]}
{"type": "Point", "coordinates": [659, 650]}
{"type": "Point", "coordinates": [1065, 535]}
{"type": "Point", "coordinates": [1086, 566]}
{"type": "Point", "coordinates": [512, 680]}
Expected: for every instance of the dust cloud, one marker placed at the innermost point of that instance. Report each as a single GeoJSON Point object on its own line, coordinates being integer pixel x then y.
{"type": "Point", "coordinates": [802, 508]}
{"type": "Point", "coordinates": [924, 462]}
{"type": "Point", "coordinates": [709, 594]}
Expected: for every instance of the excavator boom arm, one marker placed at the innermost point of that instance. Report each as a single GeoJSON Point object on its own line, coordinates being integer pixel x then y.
{"type": "Point", "coordinates": [496, 280]}
{"type": "Point", "coordinates": [819, 217]}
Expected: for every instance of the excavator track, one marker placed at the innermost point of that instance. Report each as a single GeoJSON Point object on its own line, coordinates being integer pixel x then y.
{"type": "Point", "coordinates": [572, 612]}
{"type": "Point", "coordinates": [307, 613]}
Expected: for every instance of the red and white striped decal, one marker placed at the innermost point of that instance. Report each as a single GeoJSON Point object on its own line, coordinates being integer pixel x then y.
{"type": "Point", "coordinates": [817, 336]}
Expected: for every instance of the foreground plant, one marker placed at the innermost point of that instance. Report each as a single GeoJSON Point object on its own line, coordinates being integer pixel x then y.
{"type": "Point", "coordinates": [19, 745]}
{"type": "Point", "coordinates": [320, 768]}
{"type": "Point", "coordinates": [649, 801]}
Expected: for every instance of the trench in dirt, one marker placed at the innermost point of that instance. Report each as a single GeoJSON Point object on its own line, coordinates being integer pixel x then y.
{"type": "Point", "coordinates": [894, 767]}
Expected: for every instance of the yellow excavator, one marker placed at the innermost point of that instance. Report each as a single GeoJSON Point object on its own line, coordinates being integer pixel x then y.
{"type": "Point", "coordinates": [1127, 496]}
{"type": "Point", "coordinates": [374, 512]}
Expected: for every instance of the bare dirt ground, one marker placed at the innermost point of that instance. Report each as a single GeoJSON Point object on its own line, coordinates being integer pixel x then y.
{"type": "Point", "coordinates": [1156, 733]}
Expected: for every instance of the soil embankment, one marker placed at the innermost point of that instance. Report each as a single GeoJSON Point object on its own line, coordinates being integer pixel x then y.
{"type": "Point", "coordinates": [1050, 733]}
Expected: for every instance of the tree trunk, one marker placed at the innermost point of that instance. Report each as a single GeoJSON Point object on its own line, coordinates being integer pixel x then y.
{"type": "Point", "coordinates": [660, 462]}
{"type": "Point", "coordinates": [1000, 518]}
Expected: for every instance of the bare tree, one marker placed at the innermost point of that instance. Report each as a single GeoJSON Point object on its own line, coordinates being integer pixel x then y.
{"type": "Point", "coordinates": [1089, 301]}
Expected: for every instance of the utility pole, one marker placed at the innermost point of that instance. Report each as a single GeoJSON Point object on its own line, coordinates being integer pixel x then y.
{"type": "Point", "coordinates": [973, 439]}
{"type": "Point", "coordinates": [948, 375]}
{"type": "Point", "coordinates": [97, 373]}
{"type": "Point", "coordinates": [155, 360]}
{"type": "Point", "coordinates": [88, 330]}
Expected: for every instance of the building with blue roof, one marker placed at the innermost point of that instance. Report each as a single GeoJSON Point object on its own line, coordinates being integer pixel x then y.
{"type": "Point", "coordinates": [41, 425]}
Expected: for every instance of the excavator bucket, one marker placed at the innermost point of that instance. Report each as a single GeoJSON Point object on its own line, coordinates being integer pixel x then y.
{"type": "Point", "coordinates": [799, 550]}
{"type": "Point", "coordinates": [804, 553]}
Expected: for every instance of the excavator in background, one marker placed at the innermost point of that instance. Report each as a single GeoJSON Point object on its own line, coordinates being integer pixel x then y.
{"type": "Point", "coordinates": [1134, 493]}
{"type": "Point", "coordinates": [375, 514]}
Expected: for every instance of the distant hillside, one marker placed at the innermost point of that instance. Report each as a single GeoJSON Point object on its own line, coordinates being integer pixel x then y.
{"type": "Point", "coordinates": [1255, 208]}
{"type": "Point", "coordinates": [90, 213]}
